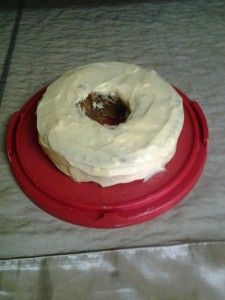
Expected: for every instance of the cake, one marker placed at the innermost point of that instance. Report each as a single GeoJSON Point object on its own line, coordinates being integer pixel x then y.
{"type": "Point", "coordinates": [110, 123]}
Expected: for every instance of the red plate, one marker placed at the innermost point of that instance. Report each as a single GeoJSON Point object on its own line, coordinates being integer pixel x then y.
{"type": "Point", "coordinates": [88, 204]}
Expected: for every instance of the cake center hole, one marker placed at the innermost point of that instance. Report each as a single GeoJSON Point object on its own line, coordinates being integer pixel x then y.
{"type": "Point", "coordinates": [110, 110]}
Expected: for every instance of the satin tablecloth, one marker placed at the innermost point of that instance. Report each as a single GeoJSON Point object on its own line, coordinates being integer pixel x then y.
{"type": "Point", "coordinates": [179, 255]}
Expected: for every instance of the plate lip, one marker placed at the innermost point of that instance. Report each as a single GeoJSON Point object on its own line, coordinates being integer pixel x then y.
{"type": "Point", "coordinates": [200, 147]}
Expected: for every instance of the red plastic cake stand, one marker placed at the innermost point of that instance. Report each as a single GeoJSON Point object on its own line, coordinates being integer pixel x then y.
{"type": "Point", "coordinates": [88, 204]}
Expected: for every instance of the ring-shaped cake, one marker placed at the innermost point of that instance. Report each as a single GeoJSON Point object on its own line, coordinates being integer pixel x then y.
{"type": "Point", "coordinates": [137, 148]}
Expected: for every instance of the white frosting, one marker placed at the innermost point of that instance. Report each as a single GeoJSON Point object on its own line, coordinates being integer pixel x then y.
{"type": "Point", "coordinates": [89, 151]}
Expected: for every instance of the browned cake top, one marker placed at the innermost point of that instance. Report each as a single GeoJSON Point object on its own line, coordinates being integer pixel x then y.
{"type": "Point", "coordinates": [109, 110]}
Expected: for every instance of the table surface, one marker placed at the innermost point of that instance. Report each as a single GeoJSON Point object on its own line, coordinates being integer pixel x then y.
{"type": "Point", "coordinates": [184, 42]}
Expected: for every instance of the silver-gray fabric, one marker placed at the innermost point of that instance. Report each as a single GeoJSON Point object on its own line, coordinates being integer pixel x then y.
{"type": "Point", "coordinates": [7, 18]}
{"type": "Point", "coordinates": [5, 35]}
{"type": "Point", "coordinates": [184, 41]}
{"type": "Point", "coordinates": [191, 271]}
